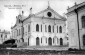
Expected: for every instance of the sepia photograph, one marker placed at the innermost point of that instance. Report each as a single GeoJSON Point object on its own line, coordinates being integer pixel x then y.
{"type": "Point", "coordinates": [42, 27]}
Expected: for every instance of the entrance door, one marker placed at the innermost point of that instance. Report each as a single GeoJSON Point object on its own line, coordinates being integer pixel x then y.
{"type": "Point", "coordinates": [49, 41]}
{"type": "Point", "coordinates": [61, 41]}
{"type": "Point", "coordinates": [37, 41]}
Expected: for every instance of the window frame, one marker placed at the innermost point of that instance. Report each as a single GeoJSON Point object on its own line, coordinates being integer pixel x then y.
{"type": "Point", "coordinates": [37, 27]}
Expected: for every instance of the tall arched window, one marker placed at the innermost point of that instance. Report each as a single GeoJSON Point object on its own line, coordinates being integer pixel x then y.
{"type": "Point", "coordinates": [83, 40]}
{"type": "Point", "coordinates": [37, 27]}
{"type": "Point", "coordinates": [49, 41]}
{"type": "Point", "coordinates": [60, 29]}
{"type": "Point", "coordinates": [83, 21]}
{"type": "Point", "coordinates": [49, 28]}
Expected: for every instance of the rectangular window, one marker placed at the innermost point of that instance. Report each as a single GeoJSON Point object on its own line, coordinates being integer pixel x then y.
{"type": "Point", "coordinates": [45, 28]}
{"type": "Point", "coordinates": [41, 28]}
{"type": "Point", "coordinates": [83, 22]}
{"type": "Point", "coordinates": [41, 40]}
{"type": "Point", "coordinates": [57, 29]}
{"type": "Point", "coordinates": [23, 31]}
{"type": "Point", "coordinates": [57, 40]}
{"type": "Point", "coordinates": [14, 34]}
{"type": "Point", "coordinates": [53, 40]}
{"type": "Point", "coordinates": [53, 29]}
{"type": "Point", "coordinates": [1, 35]}
{"type": "Point", "coordinates": [46, 40]}
{"type": "Point", "coordinates": [19, 31]}
{"type": "Point", "coordinates": [28, 28]}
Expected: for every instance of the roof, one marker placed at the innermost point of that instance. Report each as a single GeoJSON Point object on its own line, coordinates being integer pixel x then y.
{"type": "Point", "coordinates": [33, 15]}
{"type": "Point", "coordinates": [76, 6]}
{"type": "Point", "coordinates": [48, 8]}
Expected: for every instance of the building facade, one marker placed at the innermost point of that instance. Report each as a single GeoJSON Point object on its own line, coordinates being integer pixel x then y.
{"type": "Point", "coordinates": [45, 28]}
{"type": "Point", "coordinates": [76, 26]}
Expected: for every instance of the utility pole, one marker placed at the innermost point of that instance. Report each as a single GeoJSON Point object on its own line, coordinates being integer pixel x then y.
{"type": "Point", "coordinates": [76, 11]}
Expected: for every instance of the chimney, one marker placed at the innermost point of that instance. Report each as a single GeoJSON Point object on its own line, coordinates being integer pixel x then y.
{"type": "Point", "coordinates": [22, 12]}
{"type": "Point", "coordinates": [75, 3]}
{"type": "Point", "coordinates": [30, 10]}
{"type": "Point", "coordinates": [68, 7]}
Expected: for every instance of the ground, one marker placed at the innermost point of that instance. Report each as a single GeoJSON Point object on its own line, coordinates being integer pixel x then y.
{"type": "Point", "coordinates": [39, 52]}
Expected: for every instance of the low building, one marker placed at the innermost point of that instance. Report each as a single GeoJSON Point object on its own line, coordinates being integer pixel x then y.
{"type": "Point", "coordinates": [4, 35]}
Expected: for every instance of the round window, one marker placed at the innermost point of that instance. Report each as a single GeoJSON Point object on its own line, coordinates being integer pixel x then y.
{"type": "Point", "coordinates": [49, 14]}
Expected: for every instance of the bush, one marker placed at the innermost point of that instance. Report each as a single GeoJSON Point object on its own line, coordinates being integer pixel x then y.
{"type": "Point", "coordinates": [72, 49]}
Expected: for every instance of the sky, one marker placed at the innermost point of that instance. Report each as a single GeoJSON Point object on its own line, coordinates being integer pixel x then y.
{"type": "Point", "coordinates": [9, 9]}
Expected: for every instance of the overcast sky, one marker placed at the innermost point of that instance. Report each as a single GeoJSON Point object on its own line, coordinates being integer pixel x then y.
{"type": "Point", "coordinates": [8, 11]}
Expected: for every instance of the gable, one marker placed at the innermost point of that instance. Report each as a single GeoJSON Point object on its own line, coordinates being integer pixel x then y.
{"type": "Point", "coordinates": [49, 13]}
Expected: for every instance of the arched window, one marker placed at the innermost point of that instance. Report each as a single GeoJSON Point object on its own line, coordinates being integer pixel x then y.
{"type": "Point", "coordinates": [83, 40]}
{"type": "Point", "coordinates": [83, 21]}
{"type": "Point", "coordinates": [49, 41]}
{"type": "Point", "coordinates": [37, 27]}
{"type": "Point", "coordinates": [60, 29]}
{"type": "Point", "coordinates": [49, 28]}
{"type": "Point", "coordinates": [37, 41]}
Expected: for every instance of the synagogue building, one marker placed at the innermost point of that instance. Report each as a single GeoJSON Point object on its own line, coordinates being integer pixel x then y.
{"type": "Point", "coordinates": [45, 28]}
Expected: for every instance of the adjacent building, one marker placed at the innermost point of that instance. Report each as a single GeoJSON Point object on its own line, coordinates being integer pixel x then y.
{"type": "Point", "coordinates": [76, 26]}
{"type": "Point", "coordinates": [45, 28]}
